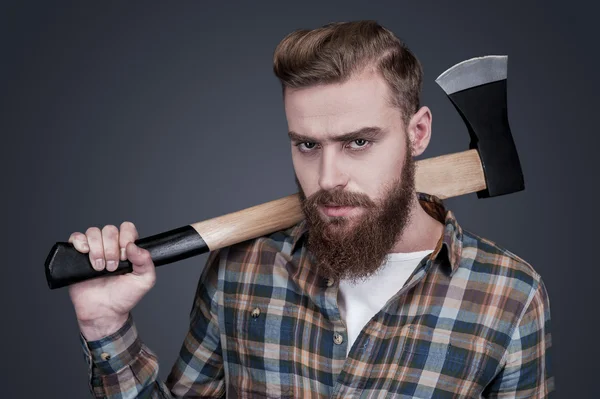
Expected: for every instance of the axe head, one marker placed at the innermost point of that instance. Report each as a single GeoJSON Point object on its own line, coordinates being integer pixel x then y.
{"type": "Point", "coordinates": [477, 88]}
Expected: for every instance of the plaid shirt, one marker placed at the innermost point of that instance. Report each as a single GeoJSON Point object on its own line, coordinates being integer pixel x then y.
{"type": "Point", "coordinates": [472, 321]}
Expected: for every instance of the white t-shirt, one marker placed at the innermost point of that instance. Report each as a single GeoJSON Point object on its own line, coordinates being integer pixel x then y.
{"type": "Point", "coordinates": [359, 302]}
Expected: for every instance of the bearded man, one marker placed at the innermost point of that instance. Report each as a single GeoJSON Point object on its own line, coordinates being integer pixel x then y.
{"type": "Point", "coordinates": [378, 292]}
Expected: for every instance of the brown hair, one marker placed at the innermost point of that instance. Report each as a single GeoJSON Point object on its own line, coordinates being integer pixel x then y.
{"type": "Point", "coordinates": [334, 52]}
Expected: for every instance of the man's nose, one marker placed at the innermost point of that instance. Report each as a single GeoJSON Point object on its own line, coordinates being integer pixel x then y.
{"type": "Point", "coordinates": [331, 174]}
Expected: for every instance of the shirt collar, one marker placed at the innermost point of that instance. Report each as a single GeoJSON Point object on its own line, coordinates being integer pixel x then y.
{"type": "Point", "coordinates": [449, 247]}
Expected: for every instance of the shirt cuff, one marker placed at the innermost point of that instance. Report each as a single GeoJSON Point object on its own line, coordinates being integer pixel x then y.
{"type": "Point", "coordinates": [111, 353]}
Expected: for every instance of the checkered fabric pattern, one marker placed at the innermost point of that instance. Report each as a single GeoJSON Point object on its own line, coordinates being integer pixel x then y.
{"type": "Point", "coordinates": [473, 320]}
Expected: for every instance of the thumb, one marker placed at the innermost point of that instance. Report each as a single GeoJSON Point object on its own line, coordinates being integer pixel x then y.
{"type": "Point", "coordinates": [141, 260]}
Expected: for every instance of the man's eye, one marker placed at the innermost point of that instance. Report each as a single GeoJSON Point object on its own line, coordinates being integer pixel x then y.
{"type": "Point", "coordinates": [306, 146]}
{"type": "Point", "coordinates": [358, 143]}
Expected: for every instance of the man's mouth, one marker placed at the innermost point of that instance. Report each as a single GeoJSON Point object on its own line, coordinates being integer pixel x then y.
{"type": "Point", "coordinates": [336, 211]}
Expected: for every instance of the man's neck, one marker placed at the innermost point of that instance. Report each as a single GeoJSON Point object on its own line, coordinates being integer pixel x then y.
{"type": "Point", "coordinates": [422, 232]}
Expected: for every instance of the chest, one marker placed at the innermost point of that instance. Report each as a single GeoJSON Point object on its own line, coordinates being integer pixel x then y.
{"type": "Point", "coordinates": [279, 342]}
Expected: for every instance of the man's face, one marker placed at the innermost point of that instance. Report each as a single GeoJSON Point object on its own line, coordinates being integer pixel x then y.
{"type": "Point", "coordinates": [354, 172]}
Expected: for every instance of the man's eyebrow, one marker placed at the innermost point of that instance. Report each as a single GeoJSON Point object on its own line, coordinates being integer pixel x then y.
{"type": "Point", "coordinates": [367, 133]}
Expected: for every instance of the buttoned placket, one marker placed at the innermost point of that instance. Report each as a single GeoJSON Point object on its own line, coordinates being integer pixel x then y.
{"type": "Point", "coordinates": [418, 276]}
{"type": "Point", "coordinates": [340, 332]}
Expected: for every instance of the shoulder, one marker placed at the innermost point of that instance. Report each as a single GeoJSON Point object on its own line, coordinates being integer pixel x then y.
{"type": "Point", "coordinates": [261, 250]}
{"type": "Point", "coordinates": [279, 241]}
{"type": "Point", "coordinates": [499, 284]}
{"type": "Point", "coordinates": [499, 269]}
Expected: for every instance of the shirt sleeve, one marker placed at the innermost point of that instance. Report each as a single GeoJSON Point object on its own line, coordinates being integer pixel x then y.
{"type": "Point", "coordinates": [527, 371]}
{"type": "Point", "coordinates": [120, 365]}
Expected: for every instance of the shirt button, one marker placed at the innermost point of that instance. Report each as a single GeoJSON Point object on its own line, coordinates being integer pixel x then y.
{"type": "Point", "coordinates": [105, 356]}
{"type": "Point", "coordinates": [330, 282]}
{"type": "Point", "coordinates": [338, 339]}
{"type": "Point", "coordinates": [255, 313]}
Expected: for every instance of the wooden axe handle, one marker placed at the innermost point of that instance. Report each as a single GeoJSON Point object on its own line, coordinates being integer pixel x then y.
{"type": "Point", "coordinates": [444, 176]}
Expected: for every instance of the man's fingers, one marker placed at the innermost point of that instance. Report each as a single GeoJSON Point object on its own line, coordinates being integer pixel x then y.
{"type": "Point", "coordinates": [110, 240]}
{"type": "Point", "coordinates": [79, 241]}
{"type": "Point", "coordinates": [94, 238]}
{"type": "Point", "coordinates": [127, 233]}
{"type": "Point", "coordinates": [139, 257]}
{"type": "Point", "coordinates": [107, 246]}
{"type": "Point", "coordinates": [142, 263]}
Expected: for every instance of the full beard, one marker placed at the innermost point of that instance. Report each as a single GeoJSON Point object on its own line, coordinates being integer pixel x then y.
{"type": "Point", "coordinates": [354, 248]}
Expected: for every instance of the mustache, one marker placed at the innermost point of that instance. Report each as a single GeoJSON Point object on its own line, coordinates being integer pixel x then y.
{"type": "Point", "coordinates": [339, 198]}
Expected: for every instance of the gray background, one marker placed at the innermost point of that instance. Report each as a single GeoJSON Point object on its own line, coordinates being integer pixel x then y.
{"type": "Point", "coordinates": [168, 113]}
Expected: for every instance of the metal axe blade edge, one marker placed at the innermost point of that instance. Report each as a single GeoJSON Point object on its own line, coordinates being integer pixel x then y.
{"type": "Point", "coordinates": [473, 72]}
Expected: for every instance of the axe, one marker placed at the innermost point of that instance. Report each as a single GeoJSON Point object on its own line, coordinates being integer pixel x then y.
{"type": "Point", "coordinates": [491, 167]}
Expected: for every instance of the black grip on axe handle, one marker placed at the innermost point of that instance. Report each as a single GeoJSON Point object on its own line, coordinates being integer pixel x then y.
{"type": "Point", "coordinates": [65, 265]}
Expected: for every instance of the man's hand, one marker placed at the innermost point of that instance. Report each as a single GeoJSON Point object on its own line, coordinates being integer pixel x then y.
{"type": "Point", "coordinates": [102, 305]}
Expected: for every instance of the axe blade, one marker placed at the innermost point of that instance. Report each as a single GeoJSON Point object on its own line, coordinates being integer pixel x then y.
{"type": "Point", "coordinates": [477, 89]}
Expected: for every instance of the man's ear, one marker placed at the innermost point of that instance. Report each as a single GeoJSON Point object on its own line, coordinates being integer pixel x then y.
{"type": "Point", "coordinates": [419, 130]}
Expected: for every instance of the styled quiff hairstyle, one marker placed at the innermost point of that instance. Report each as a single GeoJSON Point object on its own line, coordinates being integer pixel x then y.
{"type": "Point", "coordinates": [336, 51]}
